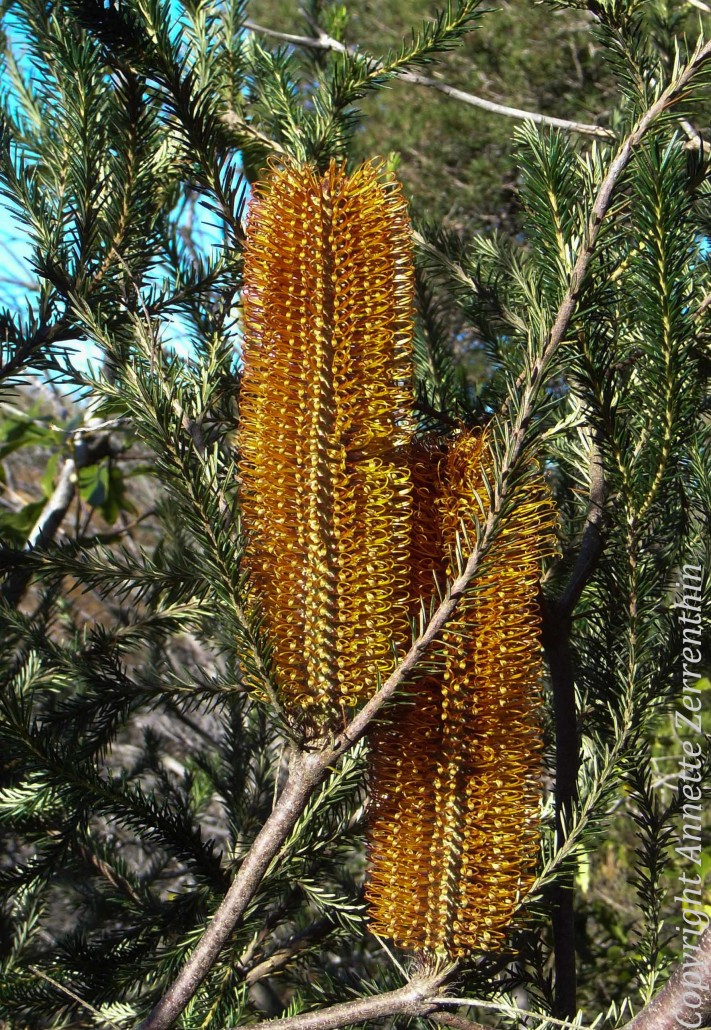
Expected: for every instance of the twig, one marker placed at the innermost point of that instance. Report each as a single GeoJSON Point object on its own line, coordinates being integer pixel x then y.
{"type": "Point", "coordinates": [703, 306]}
{"type": "Point", "coordinates": [193, 429]}
{"type": "Point", "coordinates": [320, 42]}
{"type": "Point", "coordinates": [584, 128]}
{"type": "Point", "coordinates": [62, 331]}
{"type": "Point", "coordinates": [603, 775]}
{"type": "Point", "coordinates": [325, 42]}
{"type": "Point", "coordinates": [22, 284]}
{"type": "Point", "coordinates": [75, 997]}
{"type": "Point", "coordinates": [235, 122]}
{"type": "Point", "coordinates": [454, 1021]}
{"type": "Point", "coordinates": [305, 772]}
{"type": "Point", "coordinates": [309, 769]}
{"type": "Point", "coordinates": [454, 267]}
{"type": "Point", "coordinates": [423, 406]}
{"type": "Point", "coordinates": [567, 761]}
{"type": "Point", "coordinates": [56, 507]}
{"type": "Point", "coordinates": [601, 206]}
{"type": "Point", "coordinates": [282, 956]}
{"type": "Point", "coordinates": [695, 141]}
{"type": "Point", "coordinates": [86, 451]}
{"type": "Point", "coordinates": [511, 1010]}
{"type": "Point", "coordinates": [411, 1000]}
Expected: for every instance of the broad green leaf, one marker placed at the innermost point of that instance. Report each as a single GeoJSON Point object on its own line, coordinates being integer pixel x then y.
{"type": "Point", "coordinates": [17, 432]}
{"type": "Point", "coordinates": [15, 526]}
{"type": "Point", "coordinates": [94, 484]}
{"type": "Point", "coordinates": [47, 480]}
{"type": "Point", "coordinates": [116, 500]}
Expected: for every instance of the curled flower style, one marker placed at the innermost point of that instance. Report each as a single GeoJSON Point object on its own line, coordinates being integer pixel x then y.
{"type": "Point", "coordinates": [324, 412]}
{"type": "Point", "coordinates": [453, 837]}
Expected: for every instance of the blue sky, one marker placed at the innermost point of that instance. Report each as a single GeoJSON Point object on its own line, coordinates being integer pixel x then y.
{"type": "Point", "coordinates": [17, 280]}
{"type": "Point", "coordinates": [16, 277]}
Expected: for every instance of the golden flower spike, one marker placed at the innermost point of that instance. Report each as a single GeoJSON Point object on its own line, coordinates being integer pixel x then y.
{"type": "Point", "coordinates": [324, 408]}
{"type": "Point", "coordinates": [453, 837]}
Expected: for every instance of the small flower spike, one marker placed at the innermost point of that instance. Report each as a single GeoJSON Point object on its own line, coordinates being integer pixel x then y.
{"type": "Point", "coordinates": [455, 777]}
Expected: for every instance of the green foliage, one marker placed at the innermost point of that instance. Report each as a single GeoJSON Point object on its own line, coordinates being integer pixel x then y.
{"type": "Point", "coordinates": [142, 739]}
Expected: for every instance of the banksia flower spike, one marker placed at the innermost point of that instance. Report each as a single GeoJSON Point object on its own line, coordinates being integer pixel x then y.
{"type": "Point", "coordinates": [324, 411]}
{"type": "Point", "coordinates": [405, 751]}
{"type": "Point", "coordinates": [453, 837]}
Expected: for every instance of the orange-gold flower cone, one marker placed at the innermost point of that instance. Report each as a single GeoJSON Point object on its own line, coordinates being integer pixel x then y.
{"type": "Point", "coordinates": [324, 411]}
{"type": "Point", "coordinates": [453, 836]}
{"type": "Point", "coordinates": [405, 748]}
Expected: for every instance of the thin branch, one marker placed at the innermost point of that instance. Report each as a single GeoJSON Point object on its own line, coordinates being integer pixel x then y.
{"type": "Point", "coordinates": [60, 332]}
{"type": "Point", "coordinates": [47, 525]}
{"type": "Point", "coordinates": [511, 1010]}
{"type": "Point", "coordinates": [282, 956]}
{"type": "Point", "coordinates": [75, 997]}
{"type": "Point", "coordinates": [669, 96]}
{"type": "Point", "coordinates": [320, 42]}
{"type": "Point", "coordinates": [193, 429]}
{"type": "Point", "coordinates": [22, 284]}
{"type": "Point", "coordinates": [584, 128]}
{"type": "Point", "coordinates": [454, 267]}
{"type": "Point", "coordinates": [235, 122]}
{"type": "Point", "coordinates": [703, 306]}
{"type": "Point", "coordinates": [87, 451]}
{"type": "Point", "coordinates": [309, 769]}
{"type": "Point", "coordinates": [695, 141]}
{"type": "Point", "coordinates": [325, 42]}
{"type": "Point", "coordinates": [567, 761]}
{"type": "Point", "coordinates": [423, 407]}
{"type": "Point", "coordinates": [454, 1021]}
{"type": "Point", "coordinates": [412, 1000]}
{"type": "Point", "coordinates": [305, 772]}
{"type": "Point", "coordinates": [604, 772]}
